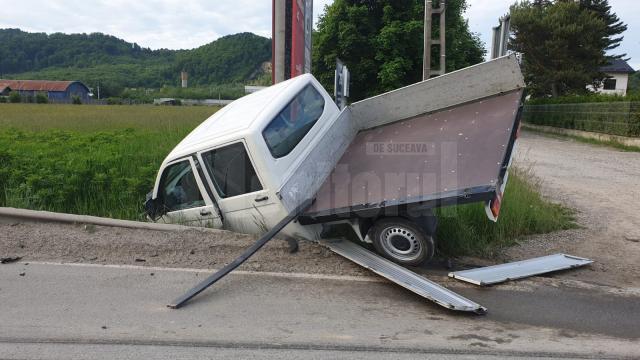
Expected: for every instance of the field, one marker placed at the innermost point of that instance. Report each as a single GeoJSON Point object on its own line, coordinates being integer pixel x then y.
{"type": "Point", "coordinates": [102, 160]}
{"type": "Point", "coordinates": [97, 160]}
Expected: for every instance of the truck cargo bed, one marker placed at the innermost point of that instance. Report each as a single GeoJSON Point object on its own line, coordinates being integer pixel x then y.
{"type": "Point", "coordinates": [450, 156]}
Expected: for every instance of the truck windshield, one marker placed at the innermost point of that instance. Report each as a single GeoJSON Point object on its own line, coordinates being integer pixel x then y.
{"type": "Point", "coordinates": [290, 126]}
{"type": "Point", "coordinates": [231, 170]}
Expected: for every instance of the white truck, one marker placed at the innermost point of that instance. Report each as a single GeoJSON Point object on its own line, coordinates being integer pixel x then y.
{"type": "Point", "coordinates": [287, 159]}
{"type": "Point", "coordinates": [381, 164]}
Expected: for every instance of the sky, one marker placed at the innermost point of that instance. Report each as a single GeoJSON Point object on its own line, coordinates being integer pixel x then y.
{"type": "Point", "coordinates": [186, 24]}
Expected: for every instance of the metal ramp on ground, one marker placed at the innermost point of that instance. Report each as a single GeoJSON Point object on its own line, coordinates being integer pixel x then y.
{"type": "Point", "coordinates": [403, 277]}
{"type": "Point", "coordinates": [520, 269]}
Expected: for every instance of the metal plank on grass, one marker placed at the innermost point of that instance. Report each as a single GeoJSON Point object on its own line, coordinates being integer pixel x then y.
{"type": "Point", "coordinates": [520, 269]}
{"type": "Point", "coordinates": [403, 277]}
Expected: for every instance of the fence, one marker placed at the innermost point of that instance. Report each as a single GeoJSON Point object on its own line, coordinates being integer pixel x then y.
{"type": "Point", "coordinates": [615, 118]}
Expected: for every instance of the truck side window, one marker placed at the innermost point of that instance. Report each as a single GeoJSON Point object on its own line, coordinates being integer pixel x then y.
{"type": "Point", "coordinates": [290, 126]}
{"type": "Point", "coordinates": [179, 189]}
{"type": "Point", "coordinates": [231, 171]}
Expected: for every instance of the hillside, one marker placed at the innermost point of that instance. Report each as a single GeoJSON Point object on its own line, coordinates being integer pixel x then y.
{"type": "Point", "coordinates": [116, 64]}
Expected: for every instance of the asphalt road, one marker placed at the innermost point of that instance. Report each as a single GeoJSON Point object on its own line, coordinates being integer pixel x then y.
{"type": "Point", "coordinates": [94, 311]}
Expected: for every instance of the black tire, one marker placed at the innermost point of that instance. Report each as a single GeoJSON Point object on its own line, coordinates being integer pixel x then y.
{"type": "Point", "coordinates": [402, 241]}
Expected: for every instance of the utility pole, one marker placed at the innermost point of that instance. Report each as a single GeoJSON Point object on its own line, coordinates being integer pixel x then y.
{"type": "Point", "coordinates": [429, 13]}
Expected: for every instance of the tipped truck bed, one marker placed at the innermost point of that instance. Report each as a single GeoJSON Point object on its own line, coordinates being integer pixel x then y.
{"type": "Point", "coordinates": [493, 90]}
{"type": "Point", "coordinates": [452, 156]}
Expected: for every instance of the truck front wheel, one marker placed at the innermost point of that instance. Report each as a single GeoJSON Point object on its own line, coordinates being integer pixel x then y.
{"type": "Point", "coordinates": [402, 241]}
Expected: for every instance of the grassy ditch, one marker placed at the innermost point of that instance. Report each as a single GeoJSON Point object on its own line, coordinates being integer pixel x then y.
{"type": "Point", "coordinates": [465, 230]}
{"type": "Point", "coordinates": [102, 160]}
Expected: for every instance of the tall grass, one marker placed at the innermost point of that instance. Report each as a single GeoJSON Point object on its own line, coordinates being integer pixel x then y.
{"type": "Point", "coordinates": [93, 160]}
{"type": "Point", "coordinates": [466, 230]}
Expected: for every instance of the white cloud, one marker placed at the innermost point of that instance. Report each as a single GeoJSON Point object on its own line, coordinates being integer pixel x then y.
{"type": "Point", "coordinates": [170, 24]}
{"type": "Point", "coordinates": [183, 24]}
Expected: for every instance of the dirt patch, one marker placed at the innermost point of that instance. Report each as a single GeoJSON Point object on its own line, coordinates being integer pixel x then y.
{"type": "Point", "coordinates": [189, 248]}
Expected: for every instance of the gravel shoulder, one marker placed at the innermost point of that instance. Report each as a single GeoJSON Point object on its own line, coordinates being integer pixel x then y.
{"type": "Point", "coordinates": [196, 248]}
{"type": "Point", "coordinates": [603, 185]}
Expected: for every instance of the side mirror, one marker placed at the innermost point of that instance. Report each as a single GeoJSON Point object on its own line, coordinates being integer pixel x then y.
{"type": "Point", "coordinates": [153, 207]}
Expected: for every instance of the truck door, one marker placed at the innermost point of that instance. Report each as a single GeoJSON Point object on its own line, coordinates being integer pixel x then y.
{"type": "Point", "coordinates": [182, 193]}
{"type": "Point", "coordinates": [248, 206]}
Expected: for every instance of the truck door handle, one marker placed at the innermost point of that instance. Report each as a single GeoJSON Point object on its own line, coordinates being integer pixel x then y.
{"type": "Point", "coordinates": [205, 212]}
{"type": "Point", "coordinates": [264, 198]}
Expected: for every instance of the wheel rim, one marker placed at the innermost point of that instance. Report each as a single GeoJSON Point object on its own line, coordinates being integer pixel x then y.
{"type": "Point", "coordinates": [401, 243]}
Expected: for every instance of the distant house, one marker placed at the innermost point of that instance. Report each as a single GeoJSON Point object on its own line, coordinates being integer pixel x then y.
{"type": "Point", "coordinates": [4, 90]}
{"type": "Point", "coordinates": [618, 70]}
{"type": "Point", "coordinates": [56, 91]}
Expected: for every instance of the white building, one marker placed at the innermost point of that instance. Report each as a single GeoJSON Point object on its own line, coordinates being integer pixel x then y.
{"type": "Point", "coordinates": [619, 72]}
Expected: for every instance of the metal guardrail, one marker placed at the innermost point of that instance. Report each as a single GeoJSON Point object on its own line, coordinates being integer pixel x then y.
{"type": "Point", "coordinates": [616, 118]}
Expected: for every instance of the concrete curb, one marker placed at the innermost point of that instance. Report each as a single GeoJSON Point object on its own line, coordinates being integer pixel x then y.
{"type": "Point", "coordinates": [8, 215]}
{"type": "Point", "coordinates": [628, 141]}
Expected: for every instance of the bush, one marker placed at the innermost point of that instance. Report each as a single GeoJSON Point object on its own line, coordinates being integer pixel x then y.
{"type": "Point", "coordinates": [76, 100]}
{"type": "Point", "coordinates": [15, 97]}
{"type": "Point", "coordinates": [42, 98]}
{"type": "Point", "coordinates": [616, 118]}
{"type": "Point", "coordinates": [114, 101]}
{"type": "Point", "coordinates": [588, 98]}
{"type": "Point", "coordinates": [3, 99]}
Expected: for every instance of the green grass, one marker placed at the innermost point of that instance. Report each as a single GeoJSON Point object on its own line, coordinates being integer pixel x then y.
{"type": "Point", "coordinates": [102, 160]}
{"type": "Point", "coordinates": [96, 160]}
{"type": "Point", "coordinates": [465, 230]}
{"type": "Point", "coordinates": [608, 143]}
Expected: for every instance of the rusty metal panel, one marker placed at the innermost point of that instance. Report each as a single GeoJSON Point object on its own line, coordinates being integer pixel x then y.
{"type": "Point", "coordinates": [520, 269]}
{"type": "Point", "coordinates": [451, 150]}
{"type": "Point", "coordinates": [36, 85]}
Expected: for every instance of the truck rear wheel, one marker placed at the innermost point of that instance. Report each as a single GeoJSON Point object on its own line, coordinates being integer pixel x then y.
{"type": "Point", "coordinates": [402, 241]}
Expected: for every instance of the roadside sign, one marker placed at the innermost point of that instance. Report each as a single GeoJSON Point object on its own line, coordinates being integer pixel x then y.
{"type": "Point", "coordinates": [341, 84]}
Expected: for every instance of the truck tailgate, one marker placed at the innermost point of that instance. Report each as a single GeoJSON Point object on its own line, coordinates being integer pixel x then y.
{"type": "Point", "coordinates": [454, 155]}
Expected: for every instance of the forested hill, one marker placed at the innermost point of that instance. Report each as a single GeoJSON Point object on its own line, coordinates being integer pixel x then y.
{"type": "Point", "coordinates": [116, 63]}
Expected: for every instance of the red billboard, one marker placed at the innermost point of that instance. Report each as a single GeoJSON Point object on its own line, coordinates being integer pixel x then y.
{"type": "Point", "coordinates": [297, 38]}
{"type": "Point", "coordinates": [292, 28]}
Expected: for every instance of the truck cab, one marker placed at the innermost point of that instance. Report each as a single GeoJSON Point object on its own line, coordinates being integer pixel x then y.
{"type": "Point", "coordinates": [227, 173]}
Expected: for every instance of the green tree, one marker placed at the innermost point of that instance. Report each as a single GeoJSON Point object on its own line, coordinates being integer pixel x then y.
{"type": "Point", "coordinates": [562, 46]}
{"type": "Point", "coordinates": [381, 42]}
{"type": "Point", "coordinates": [41, 98]}
{"type": "Point", "coordinates": [14, 97]}
{"type": "Point", "coordinates": [615, 27]}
